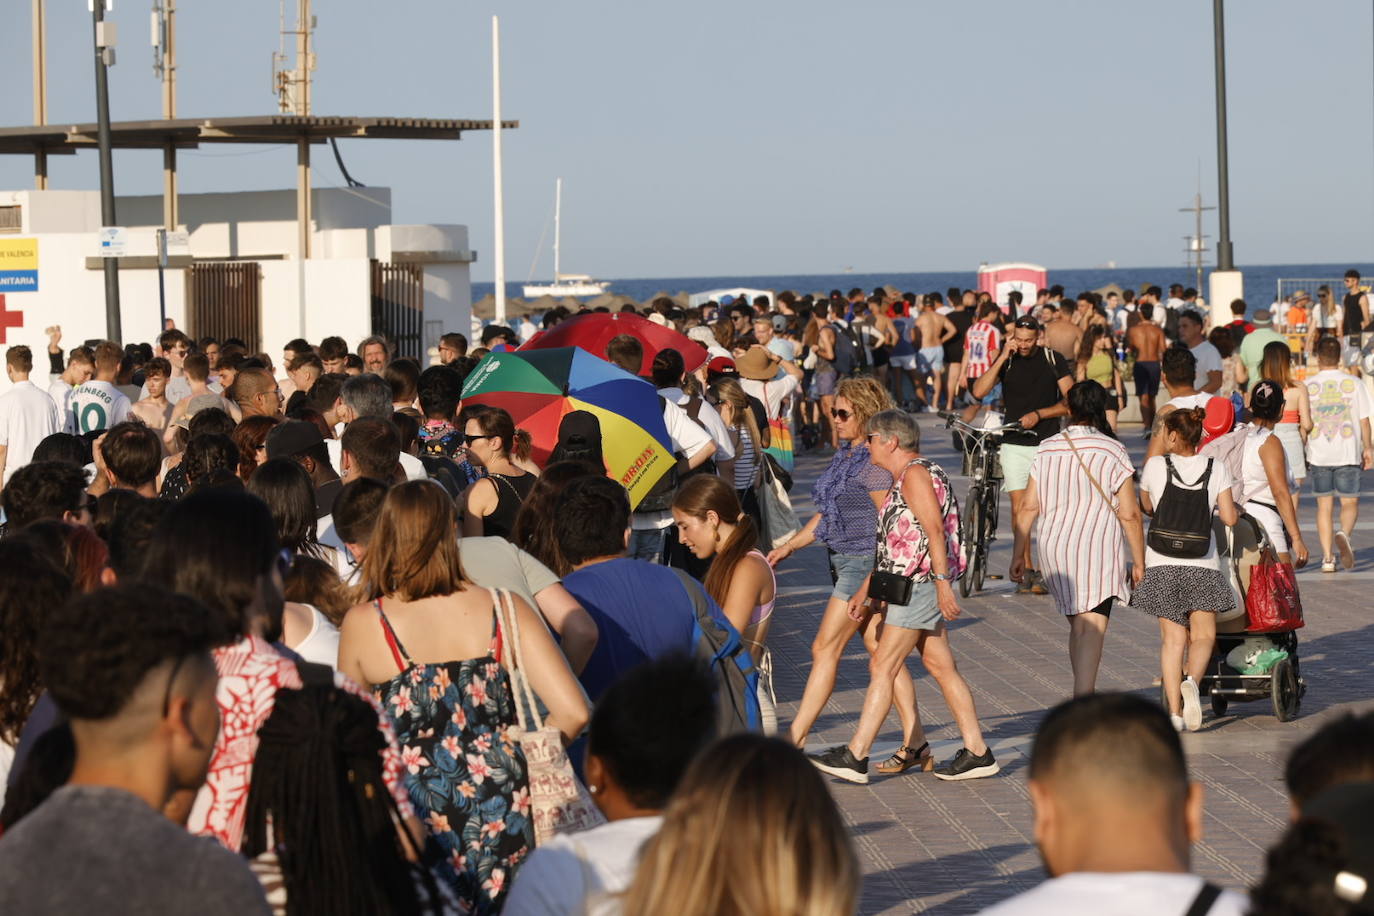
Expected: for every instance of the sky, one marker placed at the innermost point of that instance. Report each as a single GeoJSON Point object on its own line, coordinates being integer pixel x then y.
{"type": "Point", "coordinates": [763, 137]}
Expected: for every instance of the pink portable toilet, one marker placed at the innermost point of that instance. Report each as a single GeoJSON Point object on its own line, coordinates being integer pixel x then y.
{"type": "Point", "coordinates": [1000, 279]}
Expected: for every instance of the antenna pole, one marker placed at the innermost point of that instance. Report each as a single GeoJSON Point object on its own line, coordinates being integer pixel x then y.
{"type": "Point", "coordinates": [165, 63]}
{"type": "Point", "coordinates": [499, 243]}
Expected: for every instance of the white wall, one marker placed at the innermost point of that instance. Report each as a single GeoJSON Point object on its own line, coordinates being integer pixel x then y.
{"type": "Point", "coordinates": [338, 301]}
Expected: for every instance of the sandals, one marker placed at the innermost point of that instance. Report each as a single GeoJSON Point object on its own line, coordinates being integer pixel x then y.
{"type": "Point", "coordinates": [905, 758]}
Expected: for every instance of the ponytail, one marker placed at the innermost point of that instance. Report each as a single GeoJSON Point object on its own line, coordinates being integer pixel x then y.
{"type": "Point", "coordinates": [521, 445]}
{"type": "Point", "coordinates": [1187, 423]}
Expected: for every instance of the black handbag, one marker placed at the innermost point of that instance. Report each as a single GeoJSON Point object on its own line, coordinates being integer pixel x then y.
{"type": "Point", "coordinates": [891, 588]}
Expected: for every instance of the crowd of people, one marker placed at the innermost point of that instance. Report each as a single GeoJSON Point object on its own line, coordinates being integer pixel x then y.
{"type": "Point", "coordinates": [313, 635]}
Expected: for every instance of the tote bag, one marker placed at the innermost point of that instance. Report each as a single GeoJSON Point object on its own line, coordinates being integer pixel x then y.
{"type": "Point", "coordinates": [779, 521]}
{"type": "Point", "coordinates": [559, 803]}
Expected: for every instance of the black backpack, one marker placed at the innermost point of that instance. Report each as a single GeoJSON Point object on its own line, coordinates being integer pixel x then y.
{"type": "Point", "coordinates": [846, 359]}
{"type": "Point", "coordinates": [1182, 526]}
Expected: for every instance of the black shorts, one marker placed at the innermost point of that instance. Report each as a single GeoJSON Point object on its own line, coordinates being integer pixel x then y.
{"type": "Point", "coordinates": [1146, 379]}
{"type": "Point", "coordinates": [880, 356]}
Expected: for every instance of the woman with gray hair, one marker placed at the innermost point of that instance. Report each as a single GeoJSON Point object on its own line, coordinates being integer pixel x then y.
{"type": "Point", "coordinates": [918, 557]}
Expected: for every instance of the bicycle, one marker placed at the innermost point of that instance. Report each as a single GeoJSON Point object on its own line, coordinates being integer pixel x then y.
{"type": "Point", "coordinates": [978, 525]}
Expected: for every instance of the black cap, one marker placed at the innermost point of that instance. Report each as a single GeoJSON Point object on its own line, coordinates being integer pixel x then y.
{"type": "Point", "coordinates": [291, 438]}
{"type": "Point", "coordinates": [579, 429]}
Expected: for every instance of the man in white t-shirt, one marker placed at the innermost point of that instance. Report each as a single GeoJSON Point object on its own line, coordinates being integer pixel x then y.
{"type": "Point", "coordinates": [689, 441]}
{"type": "Point", "coordinates": [27, 414]}
{"type": "Point", "coordinates": [1207, 376]}
{"type": "Point", "coordinates": [80, 368]}
{"type": "Point", "coordinates": [1338, 448]}
{"type": "Point", "coordinates": [1115, 815]}
{"type": "Point", "coordinates": [98, 404]}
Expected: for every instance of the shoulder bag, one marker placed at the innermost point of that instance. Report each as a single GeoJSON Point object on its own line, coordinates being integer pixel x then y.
{"type": "Point", "coordinates": [559, 803]}
{"type": "Point", "coordinates": [1084, 465]}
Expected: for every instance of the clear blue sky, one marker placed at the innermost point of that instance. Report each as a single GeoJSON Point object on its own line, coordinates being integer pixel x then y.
{"type": "Point", "coordinates": [785, 136]}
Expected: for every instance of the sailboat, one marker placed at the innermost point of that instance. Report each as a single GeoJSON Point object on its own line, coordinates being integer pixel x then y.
{"type": "Point", "coordinates": [564, 284]}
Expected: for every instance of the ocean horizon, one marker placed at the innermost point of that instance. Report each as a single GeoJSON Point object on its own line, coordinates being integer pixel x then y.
{"type": "Point", "coordinates": [1261, 280]}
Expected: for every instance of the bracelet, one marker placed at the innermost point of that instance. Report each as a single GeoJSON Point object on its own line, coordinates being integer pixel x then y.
{"type": "Point", "coordinates": [941, 578]}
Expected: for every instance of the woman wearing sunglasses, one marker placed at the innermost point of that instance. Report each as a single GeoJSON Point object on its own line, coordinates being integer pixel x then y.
{"type": "Point", "coordinates": [847, 496]}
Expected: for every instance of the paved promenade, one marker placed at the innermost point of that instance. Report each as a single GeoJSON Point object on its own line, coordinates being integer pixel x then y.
{"type": "Point", "coordinates": [928, 846]}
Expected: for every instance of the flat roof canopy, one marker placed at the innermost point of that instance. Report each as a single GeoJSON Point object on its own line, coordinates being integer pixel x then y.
{"type": "Point", "coordinates": [188, 133]}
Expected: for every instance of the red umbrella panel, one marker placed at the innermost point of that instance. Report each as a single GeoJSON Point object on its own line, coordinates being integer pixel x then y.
{"type": "Point", "coordinates": [592, 331]}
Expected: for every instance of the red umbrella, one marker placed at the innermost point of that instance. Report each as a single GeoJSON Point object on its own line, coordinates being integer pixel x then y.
{"type": "Point", "coordinates": [592, 331]}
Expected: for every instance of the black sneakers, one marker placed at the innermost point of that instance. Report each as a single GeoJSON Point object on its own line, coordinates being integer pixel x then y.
{"type": "Point", "coordinates": [840, 761]}
{"type": "Point", "coordinates": [967, 766]}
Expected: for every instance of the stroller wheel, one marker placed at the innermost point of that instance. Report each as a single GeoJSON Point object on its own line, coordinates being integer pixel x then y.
{"type": "Point", "coordinates": [1219, 704]}
{"type": "Point", "coordinates": [1285, 692]}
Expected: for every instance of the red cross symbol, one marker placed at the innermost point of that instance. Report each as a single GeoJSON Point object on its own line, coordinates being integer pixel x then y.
{"type": "Point", "coordinates": [8, 319]}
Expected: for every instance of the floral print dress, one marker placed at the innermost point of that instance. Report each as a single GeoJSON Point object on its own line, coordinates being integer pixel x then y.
{"type": "Point", "coordinates": [467, 780]}
{"type": "Point", "coordinates": [903, 546]}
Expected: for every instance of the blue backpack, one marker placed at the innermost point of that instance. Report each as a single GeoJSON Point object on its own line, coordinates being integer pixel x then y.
{"type": "Point", "coordinates": [719, 647]}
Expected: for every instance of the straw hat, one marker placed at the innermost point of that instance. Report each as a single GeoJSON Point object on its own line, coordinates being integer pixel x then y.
{"type": "Point", "coordinates": [758, 364]}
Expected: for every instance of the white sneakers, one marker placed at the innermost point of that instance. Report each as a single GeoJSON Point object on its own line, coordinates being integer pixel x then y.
{"type": "Point", "coordinates": [1176, 722]}
{"type": "Point", "coordinates": [1343, 548]}
{"type": "Point", "coordinates": [1192, 705]}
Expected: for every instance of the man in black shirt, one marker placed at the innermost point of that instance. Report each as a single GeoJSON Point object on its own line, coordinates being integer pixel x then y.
{"type": "Point", "coordinates": [961, 316]}
{"type": "Point", "coordinates": [1035, 382]}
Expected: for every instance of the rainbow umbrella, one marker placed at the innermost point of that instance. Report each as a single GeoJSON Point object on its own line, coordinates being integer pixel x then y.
{"type": "Point", "coordinates": [539, 387]}
{"type": "Point", "coordinates": [592, 331]}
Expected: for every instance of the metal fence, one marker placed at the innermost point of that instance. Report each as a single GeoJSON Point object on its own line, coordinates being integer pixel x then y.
{"type": "Point", "coordinates": [224, 299]}
{"type": "Point", "coordinates": [398, 306]}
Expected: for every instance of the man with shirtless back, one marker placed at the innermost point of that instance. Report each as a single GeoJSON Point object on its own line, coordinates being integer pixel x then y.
{"type": "Point", "coordinates": [929, 335]}
{"type": "Point", "coordinates": [1147, 341]}
{"type": "Point", "coordinates": [1062, 333]}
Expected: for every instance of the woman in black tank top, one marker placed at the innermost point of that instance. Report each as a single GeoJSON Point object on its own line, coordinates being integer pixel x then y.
{"type": "Point", "coordinates": [491, 503]}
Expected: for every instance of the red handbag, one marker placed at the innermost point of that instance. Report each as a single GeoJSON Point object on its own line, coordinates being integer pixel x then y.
{"type": "Point", "coordinates": [1272, 604]}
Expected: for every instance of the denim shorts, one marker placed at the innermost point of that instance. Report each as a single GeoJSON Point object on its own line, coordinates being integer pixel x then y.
{"type": "Point", "coordinates": [848, 572]}
{"type": "Point", "coordinates": [1344, 480]}
{"type": "Point", "coordinates": [922, 613]}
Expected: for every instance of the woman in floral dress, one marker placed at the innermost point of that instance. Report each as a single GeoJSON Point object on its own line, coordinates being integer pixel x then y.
{"type": "Point", "coordinates": [430, 643]}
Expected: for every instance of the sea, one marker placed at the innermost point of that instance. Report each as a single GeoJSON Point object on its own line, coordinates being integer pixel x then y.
{"type": "Point", "coordinates": [1261, 281]}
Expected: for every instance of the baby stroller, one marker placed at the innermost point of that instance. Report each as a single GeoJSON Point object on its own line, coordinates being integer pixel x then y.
{"type": "Point", "coordinates": [1247, 665]}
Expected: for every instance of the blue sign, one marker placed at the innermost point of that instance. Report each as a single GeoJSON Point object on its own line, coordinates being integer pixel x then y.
{"type": "Point", "coordinates": [18, 281]}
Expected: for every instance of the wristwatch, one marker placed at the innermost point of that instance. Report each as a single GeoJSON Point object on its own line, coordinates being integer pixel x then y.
{"type": "Point", "coordinates": [941, 578]}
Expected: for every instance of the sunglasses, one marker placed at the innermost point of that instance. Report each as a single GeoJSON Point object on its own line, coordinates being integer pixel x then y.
{"type": "Point", "coordinates": [839, 413]}
{"type": "Point", "coordinates": [471, 439]}
{"type": "Point", "coordinates": [1025, 321]}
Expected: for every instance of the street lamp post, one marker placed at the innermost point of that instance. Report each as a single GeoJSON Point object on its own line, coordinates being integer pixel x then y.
{"type": "Point", "coordinates": [104, 57]}
{"type": "Point", "coordinates": [1226, 282]}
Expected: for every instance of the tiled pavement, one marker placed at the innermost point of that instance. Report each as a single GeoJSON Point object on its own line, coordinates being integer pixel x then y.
{"type": "Point", "coordinates": [930, 846]}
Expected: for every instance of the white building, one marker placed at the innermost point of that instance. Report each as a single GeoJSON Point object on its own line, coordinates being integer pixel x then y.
{"type": "Point", "coordinates": [238, 273]}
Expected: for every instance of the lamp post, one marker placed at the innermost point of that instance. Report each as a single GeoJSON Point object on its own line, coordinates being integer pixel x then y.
{"type": "Point", "coordinates": [1226, 282]}
{"type": "Point", "coordinates": [104, 57]}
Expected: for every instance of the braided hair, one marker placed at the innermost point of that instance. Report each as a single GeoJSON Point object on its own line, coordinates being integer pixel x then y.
{"type": "Point", "coordinates": [317, 800]}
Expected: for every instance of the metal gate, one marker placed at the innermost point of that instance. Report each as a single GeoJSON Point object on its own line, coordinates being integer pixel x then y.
{"type": "Point", "coordinates": [398, 306]}
{"type": "Point", "coordinates": [224, 299]}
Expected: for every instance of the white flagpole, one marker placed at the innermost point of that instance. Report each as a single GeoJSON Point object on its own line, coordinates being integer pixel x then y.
{"type": "Point", "coordinates": [499, 245]}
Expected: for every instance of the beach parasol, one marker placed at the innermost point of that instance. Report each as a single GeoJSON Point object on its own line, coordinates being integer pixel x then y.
{"type": "Point", "coordinates": [592, 331]}
{"type": "Point", "coordinates": [538, 387]}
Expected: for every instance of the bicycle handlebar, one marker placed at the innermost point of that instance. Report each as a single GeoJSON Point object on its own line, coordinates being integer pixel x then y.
{"type": "Point", "coordinates": [953, 422]}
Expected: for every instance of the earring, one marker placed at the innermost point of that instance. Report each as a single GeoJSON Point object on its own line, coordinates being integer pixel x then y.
{"type": "Point", "coordinates": [592, 789]}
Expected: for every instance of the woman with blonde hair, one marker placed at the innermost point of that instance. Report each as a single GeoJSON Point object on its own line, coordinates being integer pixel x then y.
{"type": "Point", "coordinates": [432, 646]}
{"type": "Point", "coordinates": [1276, 365]}
{"type": "Point", "coordinates": [847, 496]}
{"type": "Point", "coordinates": [751, 831]}
{"type": "Point", "coordinates": [713, 526]}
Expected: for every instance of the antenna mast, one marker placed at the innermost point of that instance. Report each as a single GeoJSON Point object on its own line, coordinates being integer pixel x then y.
{"type": "Point", "coordinates": [165, 69]}
{"type": "Point", "coordinates": [292, 87]}
{"type": "Point", "coordinates": [1197, 245]}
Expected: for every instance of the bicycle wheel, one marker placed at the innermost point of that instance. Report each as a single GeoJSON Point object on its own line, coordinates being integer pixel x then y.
{"type": "Point", "coordinates": [980, 566]}
{"type": "Point", "coordinates": [971, 536]}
